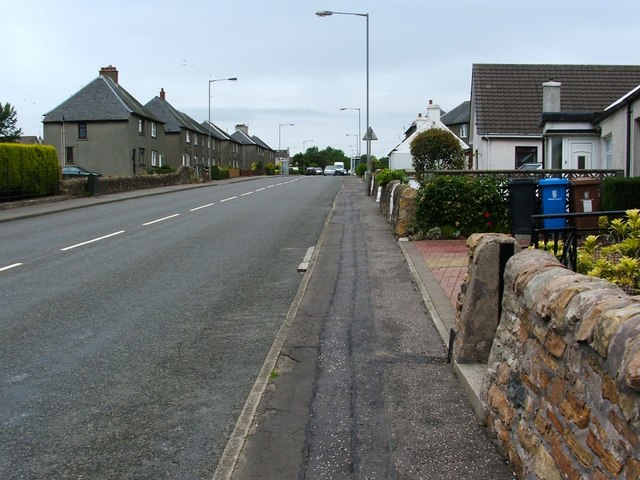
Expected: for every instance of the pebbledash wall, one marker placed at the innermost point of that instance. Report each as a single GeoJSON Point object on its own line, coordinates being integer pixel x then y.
{"type": "Point", "coordinates": [562, 390]}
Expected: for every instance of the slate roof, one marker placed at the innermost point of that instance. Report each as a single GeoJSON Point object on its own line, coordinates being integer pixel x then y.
{"type": "Point", "coordinates": [100, 100]}
{"type": "Point", "coordinates": [242, 138]}
{"type": "Point", "coordinates": [458, 115]}
{"type": "Point", "coordinates": [260, 142]}
{"type": "Point", "coordinates": [174, 120]}
{"type": "Point", "coordinates": [215, 131]}
{"type": "Point", "coordinates": [508, 97]}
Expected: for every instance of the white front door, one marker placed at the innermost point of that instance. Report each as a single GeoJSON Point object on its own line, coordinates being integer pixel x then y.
{"type": "Point", "coordinates": [581, 156]}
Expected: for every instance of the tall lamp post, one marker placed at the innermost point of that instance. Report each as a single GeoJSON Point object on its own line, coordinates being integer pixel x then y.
{"type": "Point", "coordinates": [328, 13]}
{"type": "Point", "coordinates": [280, 132]}
{"type": "Point", "coordinates": [230, 79]}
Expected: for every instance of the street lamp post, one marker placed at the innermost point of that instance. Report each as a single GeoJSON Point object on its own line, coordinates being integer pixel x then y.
{"type": "Point", "coordinates": [280, 132]}
{"type": "Point", "coordinates": [359, 131]}
{"type": "Point", "coordinates": [304, 145]}
{"type": "Point", "coordinates": [230, 79]}
{"type": "Point", "coordinates": [328, 13]}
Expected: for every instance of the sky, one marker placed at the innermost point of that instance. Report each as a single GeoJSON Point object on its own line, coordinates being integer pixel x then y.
{"type": "Point", "coordinates": [292, 66]}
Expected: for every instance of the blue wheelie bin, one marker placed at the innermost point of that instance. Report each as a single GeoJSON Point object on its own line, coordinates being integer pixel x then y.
{"type": "Point", "coordinates": [553, 192]}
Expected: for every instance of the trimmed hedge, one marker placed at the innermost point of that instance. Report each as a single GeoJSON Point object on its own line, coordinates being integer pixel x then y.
{"type": "Point", "coordinates": [620, 193]}
{"type": "Point", "coordinates": [28, 170]}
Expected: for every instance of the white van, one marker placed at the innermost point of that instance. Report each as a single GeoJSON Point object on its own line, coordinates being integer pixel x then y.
{"type": "Point", "coordinates": [339, 168]}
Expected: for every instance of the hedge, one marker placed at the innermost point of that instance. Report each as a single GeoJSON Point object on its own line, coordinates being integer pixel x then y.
{"type": "Point", "coordinates": [28, 170]}
{"type": "Point", "coordinates": [620, 193]}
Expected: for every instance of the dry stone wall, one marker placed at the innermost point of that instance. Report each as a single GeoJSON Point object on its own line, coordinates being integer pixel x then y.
{"type": "Point", "coordinates": [398, 205]}
{"type": "Point", "coordinates": [563, 385]}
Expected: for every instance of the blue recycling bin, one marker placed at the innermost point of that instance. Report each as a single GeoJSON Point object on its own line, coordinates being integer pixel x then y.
{"type": "Point", "coordinates": [553, 192]}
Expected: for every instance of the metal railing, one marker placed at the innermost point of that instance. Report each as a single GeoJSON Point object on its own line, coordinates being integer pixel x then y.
{"type": "Point", "coordinates": [563, 242]}
{"type": "Point", "coordinates": [28, 184]}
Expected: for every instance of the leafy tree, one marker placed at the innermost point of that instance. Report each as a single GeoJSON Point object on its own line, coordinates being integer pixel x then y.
{"type": "Point", "coordinates": [8, 119]}
{"type": "Point", "coordinates": [436, 149]}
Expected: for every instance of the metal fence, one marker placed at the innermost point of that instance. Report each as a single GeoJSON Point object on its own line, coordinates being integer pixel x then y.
{"type": "Point", "coordinates": [26, 184]}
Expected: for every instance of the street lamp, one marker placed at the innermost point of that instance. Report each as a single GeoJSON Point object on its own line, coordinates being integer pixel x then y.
{"type": "Point", "coordinates": [359, 129]}
{"type": "Point", "coordinates": [304, 145]}
{"type": "Point", "coordinates": [280, 131]}
{"type": "Point", "coordinates": [328, 13]}
{"type": "Point", "coordinates": [230, 79]}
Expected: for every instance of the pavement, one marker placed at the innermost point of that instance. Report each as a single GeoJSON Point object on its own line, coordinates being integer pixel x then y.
{"type": "Point", "coordinates": [356, 384]}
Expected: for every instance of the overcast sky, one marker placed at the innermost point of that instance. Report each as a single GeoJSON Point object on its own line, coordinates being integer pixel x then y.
{"type": "Point", "coordinates": [295, 67]}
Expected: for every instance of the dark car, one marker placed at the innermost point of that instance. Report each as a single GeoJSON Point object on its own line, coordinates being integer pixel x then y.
{"type": "Point", "coordinates": [310, 171]}
{"type": "Point", "coordinates": [73, 171]}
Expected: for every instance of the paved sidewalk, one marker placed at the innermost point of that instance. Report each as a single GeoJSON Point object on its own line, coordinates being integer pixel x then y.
{"type": "Point", "coordinates": [448, 261]}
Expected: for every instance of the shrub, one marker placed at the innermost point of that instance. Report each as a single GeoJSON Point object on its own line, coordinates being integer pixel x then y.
{"type": "Point", "coordinates": [383, 177]}
{"type": "Point", "coordinates": [614, 256]}
{"type": "Point", "coordinates": [160, 170]}
{"type": "Point", "coordinates": [361, 169]}
{"type": "Point", "coordinates": [28, 169]}
{"type": "Point", "coordinates": [269, 169]}
{"type": "Point", "coordinates": [436, 149]}
{"type": "Point", "coordinates": [219, 172]}
{"type": "Point", "coordinates": [619, 193]}
{"type": "Point", "coordinates": [461, 204]}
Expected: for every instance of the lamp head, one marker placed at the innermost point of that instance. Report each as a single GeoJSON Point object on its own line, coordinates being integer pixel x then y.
{"type": "Point", "coordinates": [233, 79]}
{"type": "Point", "coordinates": [324, 13]}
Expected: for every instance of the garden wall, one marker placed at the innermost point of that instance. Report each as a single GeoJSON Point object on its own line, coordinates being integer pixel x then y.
{"type": "Point", "coordinates": [398, 205]}
{"type": "Point", "coordinates": [562, 392]}
{"type": "Point", "coordinates": [106, 185]}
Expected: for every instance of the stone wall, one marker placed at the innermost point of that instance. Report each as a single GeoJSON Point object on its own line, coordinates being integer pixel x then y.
{"type": "Point", "coordinates": [106, 185]}
{"type": "Point", "coordinates": [398, 205]}
{"type": "Point", "coordinates": [562, 389]}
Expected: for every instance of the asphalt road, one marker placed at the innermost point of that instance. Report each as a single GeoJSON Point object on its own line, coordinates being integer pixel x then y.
{"type": "Point", "coordinates": [132, 332]}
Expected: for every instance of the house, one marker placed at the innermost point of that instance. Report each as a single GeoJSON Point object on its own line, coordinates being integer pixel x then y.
{"type": "Point", "coordinates": [185, 139]}
{"type": "Point", "coordinates": [619, 127]}
{"type": "Point", "coordinates": [225, 150]}
{"type": "Point", "coordinates": [507, 106]}
{"type": "Point", "coordinates": [105, 129]}
{"type": "Point", "coordinates": [457, 120]}
{"type": "Point", "coordinates": [253, 149]}
{"type": "Point", "coordinates": [400, 157]}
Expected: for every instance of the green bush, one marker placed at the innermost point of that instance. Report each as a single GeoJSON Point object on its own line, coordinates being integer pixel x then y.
{"type": "Point", "coordinates": [269, 169]}
{"type": "Point", "coordinates": [619, 193]}
{"type": "Point", "coordinates": [385, 176]}
{"type": "Point", "coordinates": [361, 169]}
{"type": "Point", "coordinates": [160, 170]}
{"type": "Point", "coordinates": [461, 205]}
{"type": "Point", "coordinates": [28, 169]}
{"type": "Point", "coordinates": [616, 256]}
{"type": "Point", "coordinates": [219, 172]}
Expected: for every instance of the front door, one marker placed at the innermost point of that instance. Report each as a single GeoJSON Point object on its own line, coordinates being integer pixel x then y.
{"type": "Point", "coordinates": [581, 156]}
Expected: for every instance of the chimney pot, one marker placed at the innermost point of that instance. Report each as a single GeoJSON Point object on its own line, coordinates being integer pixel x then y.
{"type": "Point", "coordinates": [111, 72]}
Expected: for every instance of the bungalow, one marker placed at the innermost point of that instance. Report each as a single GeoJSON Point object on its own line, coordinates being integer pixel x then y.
{"type": "Point", "coordinates": [105, 129]}
{"type": "Point", "coordinates": [400, 157]}
{"type": "Point", "coordinates": [507, 106]}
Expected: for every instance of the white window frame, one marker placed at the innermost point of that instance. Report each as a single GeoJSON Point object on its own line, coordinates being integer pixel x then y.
{"type": "Point", "coordinates": [154, 130]}
{"type": "Point", "coordinates": [154, 158]}
{"type": "Point", "coordinates": [608, 152]}
{"type": "Point", "coordinates": [187, 136]}
{"type": "Point", "coordinates": [464, 130]}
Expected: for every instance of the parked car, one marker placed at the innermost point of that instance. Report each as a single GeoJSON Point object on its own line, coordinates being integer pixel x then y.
{"type": "Point", "coordinates": [74, 171]}
{"type": "Point", "coordinates": [319, 171]}
{"type": "Point", "coordinates": [329, 170]}
{"type": "Point", "coordinates": [310, 171]}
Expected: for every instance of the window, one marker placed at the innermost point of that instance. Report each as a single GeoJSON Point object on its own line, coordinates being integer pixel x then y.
{"type": "Point", "coordinates": [195, 139]}
{"type": "Point", "coordinates": [526, 155]}
{"type": "Point", "coordinates": [608, 152]}
{"type": "Point", "coordinates": [187, 136]}
{"type": "Point", "coordinates": [82, 131]}
{"type": "Point", "coordinates": [154, 158]}
{"type": "Point", "coordinates": [69, 156]}
{"type": "Point", "coordinates": [141, 126]}
{"type": "Point", "coordinates": [141, 153]}
{"type": "Point", "coordinates": [464, 130]}
{"type": "Point", "coordinates": [186, 160]}
{"type": "Point", "coordinates": [154, 130]}
{"type": "Point", "coordinates": [556, 153]}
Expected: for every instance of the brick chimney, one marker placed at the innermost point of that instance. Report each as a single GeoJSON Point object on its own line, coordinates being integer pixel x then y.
{"type": "Point", "coordinates": [551, 96]}
{"type": "Point", "coordinates": [111, 72]}
{"type": "Point", "coordinates": [162, 94]}
{"type": "Point", "coordinates": [243, 128]}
